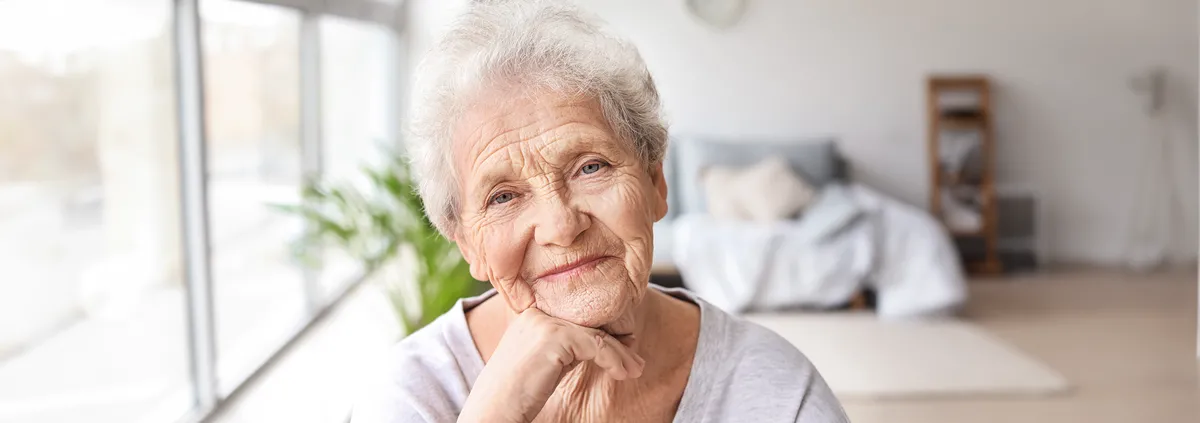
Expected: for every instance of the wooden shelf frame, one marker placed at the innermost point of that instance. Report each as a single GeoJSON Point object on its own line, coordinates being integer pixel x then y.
{"type": "Point", "coordinates": [981, 122]}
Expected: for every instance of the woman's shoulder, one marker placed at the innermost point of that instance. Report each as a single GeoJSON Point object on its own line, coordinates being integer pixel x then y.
{"type": "Point", "coordinates": [762, 369]}
{"type": "Point", "coordinates": [753, 347]}
{"type": "Point", "coordinates": [444, 346]}
{"type": "Point", "coordinates": [431, 348]}
{"type": "Point", "coordinates": [424, 377]}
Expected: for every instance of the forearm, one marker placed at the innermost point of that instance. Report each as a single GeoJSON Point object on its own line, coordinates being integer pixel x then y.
{"type": "Point", "coordinates": [491, 407]}
{"type": "Point", "coordinates": [494, 400]}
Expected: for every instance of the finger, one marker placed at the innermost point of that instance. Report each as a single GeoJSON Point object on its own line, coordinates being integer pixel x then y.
{"type": "Point", "coordinates": [617, 357]}
{"type": "Point", "coordinates": [595, 345]}
{"type": "Point", "coordinates": [610, 357]}
{"type": "Point", "coordinates": [629, 340]}
{"type": "Point", "coordinates": [633, 364]}
{"type": "Point", "coordinates": [590, 345]}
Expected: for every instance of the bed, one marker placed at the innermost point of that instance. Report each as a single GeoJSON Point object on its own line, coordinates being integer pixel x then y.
{"type": "Point", "coordinates": [853, 246]}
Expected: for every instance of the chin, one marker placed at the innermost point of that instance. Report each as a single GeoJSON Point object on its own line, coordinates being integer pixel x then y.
{"type": "Point", "coordinates": [592, 301]}
{"type": "Point", "coordinates": [590, 315]}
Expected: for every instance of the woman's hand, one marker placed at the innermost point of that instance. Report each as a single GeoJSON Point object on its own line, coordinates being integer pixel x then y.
{"type": "Point", "coordinates": [534, 354]}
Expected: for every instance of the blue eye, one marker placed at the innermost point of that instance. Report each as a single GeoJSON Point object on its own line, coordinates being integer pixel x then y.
{"type": "Point", "coordinates": [591, 168]}
{"type": "Point", "coordinates": [503, 197]}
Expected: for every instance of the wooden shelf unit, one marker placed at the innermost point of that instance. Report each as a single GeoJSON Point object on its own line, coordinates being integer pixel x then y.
{"type": "Point", "coordinates": [976, 119]}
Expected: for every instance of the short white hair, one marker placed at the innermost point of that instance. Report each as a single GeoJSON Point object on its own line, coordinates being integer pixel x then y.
{"type": "Point", "coordinates": [540, 46]}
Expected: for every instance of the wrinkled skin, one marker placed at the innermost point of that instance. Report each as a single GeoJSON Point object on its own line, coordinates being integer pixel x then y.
{"type": "Point", "coordinates": [537, 153]}
{"type": "Point", "coordinates": [544, 183]}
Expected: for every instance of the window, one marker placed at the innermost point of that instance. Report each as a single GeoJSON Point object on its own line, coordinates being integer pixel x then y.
{"type": "Point", "coordinates": [91, 298]}
{"type": "Point", "coordinates": [101, 319]}
{"type": "Point", "coordinates": [252, 104]}
{"type": "Point", "coordinates": [358, 93]}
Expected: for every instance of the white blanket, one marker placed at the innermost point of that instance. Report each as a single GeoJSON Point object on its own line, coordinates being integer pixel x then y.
{"type": "Point", "coordinates": [824, 258]}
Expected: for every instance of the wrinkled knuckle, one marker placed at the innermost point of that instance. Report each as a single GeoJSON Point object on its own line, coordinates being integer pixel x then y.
{"type": "Point", "coordinates": [559, 356]}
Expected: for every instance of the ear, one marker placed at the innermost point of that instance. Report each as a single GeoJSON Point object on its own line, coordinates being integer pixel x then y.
{"type": "Point", "coordinates": [470, 255]}
{"type": "Point", "coordinates": [660, 187]}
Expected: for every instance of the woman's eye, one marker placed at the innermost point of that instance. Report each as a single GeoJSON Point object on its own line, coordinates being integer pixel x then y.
{"type": "Point", "coordinates": [591, 168]}
{"type": "Point", "coordinates": [502, 198]}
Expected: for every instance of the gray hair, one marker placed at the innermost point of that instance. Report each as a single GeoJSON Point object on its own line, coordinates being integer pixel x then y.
{"type": "Point", "coordinates": [543, 45]}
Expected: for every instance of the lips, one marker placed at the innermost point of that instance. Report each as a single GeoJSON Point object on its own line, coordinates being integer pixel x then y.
{"type": "Point", "coordinates": [573, 268]}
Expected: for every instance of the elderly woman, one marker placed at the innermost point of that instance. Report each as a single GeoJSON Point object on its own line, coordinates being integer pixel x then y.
{"type": "Point", "coordinates": [538, 144]}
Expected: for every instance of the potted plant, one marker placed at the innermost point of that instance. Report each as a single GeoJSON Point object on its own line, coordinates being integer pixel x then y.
{"type": "Point", "coordinates": [376, 223]}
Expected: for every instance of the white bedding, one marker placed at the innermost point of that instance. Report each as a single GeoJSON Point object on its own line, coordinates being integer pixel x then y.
{"type": "Point", "coordinates": [823, 258]}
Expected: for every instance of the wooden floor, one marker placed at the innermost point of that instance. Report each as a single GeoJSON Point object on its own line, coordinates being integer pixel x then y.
{"type": "Point", "coordinates": [1126, 342]}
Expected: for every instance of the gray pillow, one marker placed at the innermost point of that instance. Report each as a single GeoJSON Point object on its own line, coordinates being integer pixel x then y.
{"type": "Point", "coordinates": [832, 211]}
{"type": "Point", "coordinates": [815, 160]}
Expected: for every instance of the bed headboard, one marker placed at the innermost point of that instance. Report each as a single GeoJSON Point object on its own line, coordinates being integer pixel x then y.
{"type": "Point", "coordinates": [817, 160]}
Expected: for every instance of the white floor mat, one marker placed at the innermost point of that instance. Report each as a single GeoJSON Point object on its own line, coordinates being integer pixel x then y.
{"type": "Point", "coordinates": [863, 357]}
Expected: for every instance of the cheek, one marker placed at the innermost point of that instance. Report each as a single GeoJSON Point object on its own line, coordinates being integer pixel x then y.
{"type": "Point", "coordinates": [503, 247]}
{"type": "Point", "coordinates": [621, 207]}
{"type": "Point", "coordinates": [623, 204]}
{"type": "Point", "coordinates": [625, 210]}
{"type": "Point", "coordinates": [503, 250]}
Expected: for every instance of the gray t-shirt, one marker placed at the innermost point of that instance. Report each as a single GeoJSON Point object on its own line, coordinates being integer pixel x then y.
{"type": "Point", "coordinates": [742, 372]}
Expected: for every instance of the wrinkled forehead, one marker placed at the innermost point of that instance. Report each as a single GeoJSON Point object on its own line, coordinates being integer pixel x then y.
{"type": "Point", "coordinates": [498, 135]}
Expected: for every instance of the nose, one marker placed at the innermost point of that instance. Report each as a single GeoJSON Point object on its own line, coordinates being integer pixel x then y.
{"type": "Point", "coordinates": [559, 223]}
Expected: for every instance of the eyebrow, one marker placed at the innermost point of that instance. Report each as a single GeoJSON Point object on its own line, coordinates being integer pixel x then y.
{"type": "Point", "coordinates": [490, 174]}
{"type": "Point", "coordinates": [496, 171]}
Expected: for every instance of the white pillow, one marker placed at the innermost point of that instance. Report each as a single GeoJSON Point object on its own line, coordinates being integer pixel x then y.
{"type": "Point", "coordinates": [764, 192]}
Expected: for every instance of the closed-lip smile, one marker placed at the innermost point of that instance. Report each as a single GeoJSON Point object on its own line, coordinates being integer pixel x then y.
{"type": "Point", "coordinates": [577, 266]}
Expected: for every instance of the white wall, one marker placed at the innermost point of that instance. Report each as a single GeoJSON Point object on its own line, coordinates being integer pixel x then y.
{"type": "Point", "coordinates": [1068, 125]}
{"type": "Point", "coordinates": [1067, 122]}
{"type": "Point", "coordinates": [426, 21]}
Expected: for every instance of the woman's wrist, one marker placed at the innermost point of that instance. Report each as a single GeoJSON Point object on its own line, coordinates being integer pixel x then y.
{"type": "Point", "coordinates": [486, 414]}
{"type": "Point", "coordinates": [485, 405]}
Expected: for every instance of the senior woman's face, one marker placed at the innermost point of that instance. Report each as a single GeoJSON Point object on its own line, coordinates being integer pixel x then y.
{"type": "Point", "coordinates": [556, 212]}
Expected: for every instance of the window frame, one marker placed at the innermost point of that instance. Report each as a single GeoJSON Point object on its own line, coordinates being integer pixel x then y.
{"type": "Point", "coordinates": [188, 62]}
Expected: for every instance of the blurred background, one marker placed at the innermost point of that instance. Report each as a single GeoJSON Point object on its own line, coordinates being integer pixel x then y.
{"type": "Point", "coordinates": [202, 217]}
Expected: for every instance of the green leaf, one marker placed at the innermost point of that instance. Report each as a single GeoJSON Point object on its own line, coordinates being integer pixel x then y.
{"type": "Point", "coordinates": [372, 224]}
